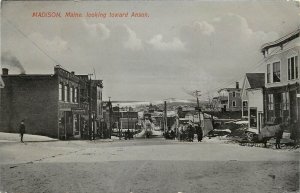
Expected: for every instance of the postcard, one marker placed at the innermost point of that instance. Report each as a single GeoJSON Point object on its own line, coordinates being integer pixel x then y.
{"type": "Point", "coordinates": [149, 96]}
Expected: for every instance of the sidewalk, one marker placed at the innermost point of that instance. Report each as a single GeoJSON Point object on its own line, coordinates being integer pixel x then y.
{"type": "Point", "coordinates": [15, 137]}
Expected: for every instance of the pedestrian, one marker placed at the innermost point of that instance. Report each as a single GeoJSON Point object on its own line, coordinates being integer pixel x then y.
{"type": "Point", "coordinates": [172, 134]}
{"type": "Point", "coordinates": [278, 135]}
{"type": "Point", "coordinates": [199, 133]}
{"type": "Point", "coordinates": [22, 130]}
{"type": "Point", "coordinates": [190, 133]}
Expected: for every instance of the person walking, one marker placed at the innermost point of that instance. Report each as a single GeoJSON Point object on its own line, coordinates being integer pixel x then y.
{"type": "Point", "coordinates": [22, 130]}
{"type": "Point", "coordinates": [278, 136]}
{"type": "Point", "coordinates": [199, 133]}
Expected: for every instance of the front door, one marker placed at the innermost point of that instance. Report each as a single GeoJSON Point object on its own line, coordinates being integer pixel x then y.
{"type": "Point", "coordinates": [253, 117]}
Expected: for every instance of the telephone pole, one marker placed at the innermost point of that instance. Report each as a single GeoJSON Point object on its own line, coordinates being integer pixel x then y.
{"type": "Point", "coordinates": [90, 107]}
{"type": "Point", "coordinates": [165, 117]}
{"type": "Point", "coordinates": [110, 114]}
{"type": "Point", "coordinates": [198, 106]}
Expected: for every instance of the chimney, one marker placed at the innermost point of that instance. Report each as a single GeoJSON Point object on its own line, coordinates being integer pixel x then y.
{"type": "Point", "coordinates": [4, 71]}
{"type": "Point", "coordinates": [237, 85]}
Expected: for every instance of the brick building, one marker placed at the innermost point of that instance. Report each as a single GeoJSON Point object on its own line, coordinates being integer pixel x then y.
{"type": "Point", "coordinates": [50, 104]}
{"type": "Point", "coordinates": [91, 93]}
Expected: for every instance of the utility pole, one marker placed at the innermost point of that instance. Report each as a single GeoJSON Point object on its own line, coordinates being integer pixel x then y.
{"type": "Point", "coordinates": [119, 122]}
{"type": "Point", "coordinates": [165, 117]}
{"type": "Point", "coordinates": [128, 125]}
{"type": "Point", "coordinates": [90, 107]}
{"type": "Point", "coordinates": [110, 114]}
{"type": "Point", "coordinates": [198, 106]}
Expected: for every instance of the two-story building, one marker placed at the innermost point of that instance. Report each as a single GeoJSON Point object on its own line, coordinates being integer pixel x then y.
{"type": "Point", "coordinates": [230, 99]}
{"type": "Point", "coordinates": [91, 98]}
{"type": "Point", "coordinates": [282, 79]}
{"type": "Point", "coordinates": [252, 99]}
{"type": "Point", "coordinates": [48, 103]}
{"type": "Point", "coordinates": [51, 104]}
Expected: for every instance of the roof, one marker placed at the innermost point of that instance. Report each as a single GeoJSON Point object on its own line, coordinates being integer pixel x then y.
{"type": "Point", "coordinates": [281, 41]}
{"type": "Point", "coordinates": [256, 80]}
{"type": "Point", "coordinates": [27, 76]}
{"type": "Point", "coordinates": [230, 89]}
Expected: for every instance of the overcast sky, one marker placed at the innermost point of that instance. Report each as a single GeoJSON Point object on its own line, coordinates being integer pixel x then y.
{"type": "Point", "coordinates": [181, 46]}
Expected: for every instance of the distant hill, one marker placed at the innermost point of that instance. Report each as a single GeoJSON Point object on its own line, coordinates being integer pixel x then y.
{"type": "Point", "coordinates": [171, 103]}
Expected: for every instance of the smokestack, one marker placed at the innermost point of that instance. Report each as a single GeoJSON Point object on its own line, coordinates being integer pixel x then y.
{"type": "Point", "coordinates": [9, 59]}
{"type": "Point", "coordinates": [237, 85]}
{"type": "Point", "coordinates": [4, 71]}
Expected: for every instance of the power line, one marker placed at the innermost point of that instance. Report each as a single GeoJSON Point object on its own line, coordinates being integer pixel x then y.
{"type": "Point", "coordinates": [35, 44]}
{"type": "Point", "coordinates": [258, 65]}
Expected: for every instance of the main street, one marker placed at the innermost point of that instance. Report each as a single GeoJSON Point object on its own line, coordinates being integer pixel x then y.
{"type": "Point", "coordinates": [145, 165]}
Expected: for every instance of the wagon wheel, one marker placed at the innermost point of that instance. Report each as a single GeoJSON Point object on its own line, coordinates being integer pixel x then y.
{"type": "Point", "coordinates": [250, 136]}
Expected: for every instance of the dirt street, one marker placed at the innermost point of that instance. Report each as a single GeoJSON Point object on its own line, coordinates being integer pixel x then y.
{"type": "Point", "coordinates": [142, 166]}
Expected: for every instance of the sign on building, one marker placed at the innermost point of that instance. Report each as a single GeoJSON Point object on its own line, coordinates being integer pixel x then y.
{"type": "Point", "coordinates": [1, 83]}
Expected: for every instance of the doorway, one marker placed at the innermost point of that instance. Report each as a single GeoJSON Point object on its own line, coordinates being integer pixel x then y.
{"type": "Point", "coordinates": [253, 117]}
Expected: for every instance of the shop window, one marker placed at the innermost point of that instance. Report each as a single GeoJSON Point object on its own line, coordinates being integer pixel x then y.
{"type": "Point", "coordinates": [270, 107]}
{"type": "Point", "coordinates": [285, 102]}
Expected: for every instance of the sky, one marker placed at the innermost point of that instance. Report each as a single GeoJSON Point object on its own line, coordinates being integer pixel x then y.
{"type": "Point", "coordinates": [179, 47]}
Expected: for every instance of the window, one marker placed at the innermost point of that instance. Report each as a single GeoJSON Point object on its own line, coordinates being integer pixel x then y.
{"type": "Point", "coordinates": [285, 101]}
{"type": "Point", "coordinates": [233, 103]}
{"type": "Point", "coordinates": [268, 73]}
{"type": "Point", "coordinates": [270, 102]}
{"type": "Point", "coordinates": [233, 94]}
{"type": "Point", "coordinates": [72, 94]}
{"type": "Point", "coordinates": [293, 68]}
{"type": "Point", "coordinates": [276, 72]}
{"type": "Point", "coordinates": [60, 92]}
{"type": "Point", "coordinates": [270, 112]}
{"type": "Point", "coordinates": [285, 106]}
{"type": "Point", "coordinates": [66, 93]}
{"type": "Point", "coordinates": [245, 108]}
{"type": "Point", "coordinates": [76, 95]}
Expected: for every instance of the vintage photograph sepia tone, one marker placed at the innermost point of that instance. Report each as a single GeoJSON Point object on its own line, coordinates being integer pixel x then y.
{"type": "Point", "coordinates": [150, 96]}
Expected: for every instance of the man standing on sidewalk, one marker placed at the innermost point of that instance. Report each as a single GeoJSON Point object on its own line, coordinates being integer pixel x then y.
{"type": "Point", "coordinates": [22, 130]}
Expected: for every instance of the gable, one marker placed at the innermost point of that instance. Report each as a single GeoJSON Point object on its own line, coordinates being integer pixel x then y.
{"type": "Point", "coordinates": [246, 86]}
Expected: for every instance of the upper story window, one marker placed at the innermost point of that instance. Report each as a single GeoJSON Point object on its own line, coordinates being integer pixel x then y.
{"type": "Point", "coordinates": [268, 73]}
{"type": "Point", "coordinates": [99, 95]}
{"type": "Point", "coordinates": [66, 93]}
{"type": "Point", "coordinates": [233, 94]}
{"type": "Point", "coordinates": [60, 92]}
{"type": "Point", "coordinates": [75, 95]}
{"type": "Point", "coordinates": [72, 94]}
{"type": "Point", "coordinates": [293, 68]}
{"type": "Point", "coordinates": [276, 72]}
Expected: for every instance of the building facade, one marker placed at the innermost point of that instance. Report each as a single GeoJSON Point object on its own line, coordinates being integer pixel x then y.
{"type": "Point", "coordinates": [50, 104]}
{"type": "Point", "coordinates": [230, 99]}
{"type": "Point", "coordinates": [252, 99]}
{"type": "Point", "coordinates": [282, 80]}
